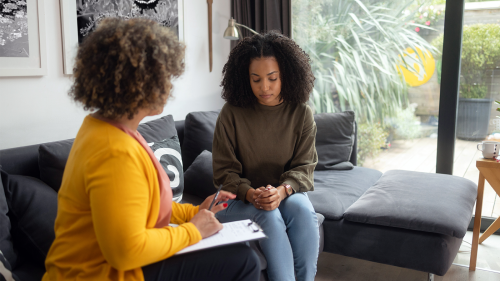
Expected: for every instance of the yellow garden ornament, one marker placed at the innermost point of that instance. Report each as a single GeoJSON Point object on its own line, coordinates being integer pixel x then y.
{"type": "Point", "coordinates": [417, 76]}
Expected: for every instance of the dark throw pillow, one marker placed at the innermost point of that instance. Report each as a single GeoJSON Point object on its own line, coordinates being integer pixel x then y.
{"type": "Point", "coordinates": [32, 210]}
{"type": "Point", "coordinates": [168, 152]}
{"type": "Point", "coordinates": [52, 158]}
{"type": "Point", "coordinates": [199, 130]}
{"type": "Point", "coordinates": [6, 246]}
{"type": "Point", "coordinates": [199, 177]}
{"type": "Point", "coordinates": [334, 140]}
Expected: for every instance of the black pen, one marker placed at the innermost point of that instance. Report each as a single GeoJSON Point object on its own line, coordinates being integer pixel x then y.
{"type": "Point", "coordinates": [215, 197]}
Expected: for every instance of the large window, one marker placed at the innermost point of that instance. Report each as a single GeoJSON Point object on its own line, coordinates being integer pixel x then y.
{"type": "Point", "coordinates": [382, 59]}
{"type": "Point", "coordinates": [479, 87]}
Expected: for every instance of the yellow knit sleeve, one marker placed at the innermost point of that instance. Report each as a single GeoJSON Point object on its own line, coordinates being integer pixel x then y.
{"type": "Point", "coordinates": [119, 194]}
{"type": "Point", "coordinates": [182, 213]}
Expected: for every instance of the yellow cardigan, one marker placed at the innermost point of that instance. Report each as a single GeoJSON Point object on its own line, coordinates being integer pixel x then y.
{"type": "Point", "coordinates": [108, 205]}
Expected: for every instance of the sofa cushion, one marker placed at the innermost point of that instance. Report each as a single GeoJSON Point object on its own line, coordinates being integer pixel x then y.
{"type": "Point", "coordinates": [33, 210]}
{"type": "Point", "coordinates": [199, 130]}
{"type": "Point", "coordinates": [168, 152]}
{"type": "Point", "coordinates": [435, 203]}
{"type": "Point", "coordinates": [335, 191]}
{"type": "Point", "coordinates": [6, 246]}
{"type": "Point", "coordinates": [334, 140]}
{"type": "Point", "coordinates": [199, 177]}
{"type": "Point", "coordinates": [52, 158]}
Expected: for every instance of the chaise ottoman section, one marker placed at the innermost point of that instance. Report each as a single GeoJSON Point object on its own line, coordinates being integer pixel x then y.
{"type": "Point", "coordinates": [336, 190]}
{"type": "Point", "coordinates": [425, 215]}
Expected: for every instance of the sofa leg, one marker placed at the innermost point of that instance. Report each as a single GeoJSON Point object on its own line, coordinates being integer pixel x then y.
{"type": "Point", "coordinates": [431, 277]}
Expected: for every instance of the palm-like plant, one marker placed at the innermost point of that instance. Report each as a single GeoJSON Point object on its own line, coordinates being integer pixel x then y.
{"type": "Point", "coordinates": [356, 49]}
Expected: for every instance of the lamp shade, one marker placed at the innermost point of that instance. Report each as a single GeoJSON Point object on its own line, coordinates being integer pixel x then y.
{"type": "Point", "coordinates": [232, 32]}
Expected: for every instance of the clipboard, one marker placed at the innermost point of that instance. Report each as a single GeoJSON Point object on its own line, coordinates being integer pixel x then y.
{"type": "Point", "coordinates": [233, 232]}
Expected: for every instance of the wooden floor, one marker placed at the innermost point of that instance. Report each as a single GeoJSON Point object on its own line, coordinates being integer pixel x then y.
{"type": "Point", "coordinates": [339, 268]}
{"type": "Point", "coordinates": [420, 155]}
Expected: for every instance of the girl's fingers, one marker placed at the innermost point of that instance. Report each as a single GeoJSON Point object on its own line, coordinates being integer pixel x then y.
{"type": "Point", "coordinates": [269, 193]}
{"type": "Point", "coordinates": [267, 200]}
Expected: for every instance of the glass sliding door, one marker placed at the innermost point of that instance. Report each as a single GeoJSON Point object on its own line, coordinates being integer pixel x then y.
{"type": "Point", "coordinates": [479, 88]}
{"type": "Point", "coordinates": [380, 59]}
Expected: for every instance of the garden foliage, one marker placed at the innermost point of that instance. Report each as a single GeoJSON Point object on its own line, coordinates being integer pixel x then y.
{"type": "Point", "coordinates": [355, 47]}
{"type": "Point", "coordinates": [480, 52]}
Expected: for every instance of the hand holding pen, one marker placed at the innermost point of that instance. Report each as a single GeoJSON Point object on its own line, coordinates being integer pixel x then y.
{"type": "Point", "coordinates": [205, 220]}
{"type": "Point", "coordinates": [212, 201]}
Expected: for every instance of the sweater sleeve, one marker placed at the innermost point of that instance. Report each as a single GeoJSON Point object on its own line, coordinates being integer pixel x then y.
{"type": "Point", "coordinates": [300, 176]}
{"type": "Point", "coordinates": [119, 195]}
{"type": "Point", "coordinates": [182, 213]}
{"type": "Point", "coordinates": [227, 168]}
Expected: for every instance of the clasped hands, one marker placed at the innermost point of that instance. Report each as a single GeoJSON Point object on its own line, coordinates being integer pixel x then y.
{"type": "Point", "coordinates": [266, 198]}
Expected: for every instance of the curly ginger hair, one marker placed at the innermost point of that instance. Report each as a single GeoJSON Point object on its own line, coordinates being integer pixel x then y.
{"type": "Point", "coordinates": [126, 65]}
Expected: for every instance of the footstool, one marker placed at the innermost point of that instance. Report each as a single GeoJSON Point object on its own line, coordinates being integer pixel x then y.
{"type": "Point", "coordinates": [408, 219]}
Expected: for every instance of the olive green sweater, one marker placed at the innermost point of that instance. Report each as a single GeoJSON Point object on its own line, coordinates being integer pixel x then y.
{"type": "Point", "coordinates": [263, 145]}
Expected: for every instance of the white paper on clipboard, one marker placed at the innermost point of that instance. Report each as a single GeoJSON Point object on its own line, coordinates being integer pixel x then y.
{"type": "Point", "coordinates": [233, 232]}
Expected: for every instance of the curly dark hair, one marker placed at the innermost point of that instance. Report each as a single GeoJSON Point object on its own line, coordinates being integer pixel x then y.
{"type": "Point", "coordinates": [297, 79]}
{"type": "Point", "coordinates": [126, 65]}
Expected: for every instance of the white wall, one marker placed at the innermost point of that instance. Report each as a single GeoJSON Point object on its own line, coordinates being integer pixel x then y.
{"type": "Point", "coordinates": [38, 109]}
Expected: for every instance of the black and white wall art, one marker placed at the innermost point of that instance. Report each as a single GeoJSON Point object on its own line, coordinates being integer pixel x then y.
{"type": "Point", "coordinates": [14, 40]}
{"type": "Point", "coordinates": [91, 12]}
{"type": "Point", "coordinates": [81, 17]}
{"type": "Point", "coordinates": [22, 38]}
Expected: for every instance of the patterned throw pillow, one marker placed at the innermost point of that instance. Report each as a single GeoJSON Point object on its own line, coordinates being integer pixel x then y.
{"type": "Point", "coordinates": [5, 270]}
{"type": "Point", "coordinates": [168, 152]}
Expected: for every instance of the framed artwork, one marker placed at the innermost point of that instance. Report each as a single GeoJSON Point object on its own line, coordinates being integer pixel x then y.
{"type": "Point", "coordinates": [80, 17]}
{"type": "Point", "coordinates": [22, 38]}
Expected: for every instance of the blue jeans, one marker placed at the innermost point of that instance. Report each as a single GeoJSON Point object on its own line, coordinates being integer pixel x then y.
{"type": "Point", "coordinates": [293, 235]}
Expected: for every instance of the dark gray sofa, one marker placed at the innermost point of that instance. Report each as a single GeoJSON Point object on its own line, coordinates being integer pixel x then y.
{"type": "Point", "coordinates": [420, 244]}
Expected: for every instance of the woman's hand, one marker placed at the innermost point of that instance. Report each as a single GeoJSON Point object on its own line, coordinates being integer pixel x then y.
{"type": "Point", "coordinates": [224, 196]}
{"type": "Point", "coordinates": [206, 223]}
{"type": "Point", "coordinates": [270, 197]}
{"type": "Point", "coordinates": [253, 194]}
{"type": "Point", "coordinates": [205, 220]}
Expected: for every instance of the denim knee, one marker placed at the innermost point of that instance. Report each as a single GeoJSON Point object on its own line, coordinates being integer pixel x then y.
{"type": "Point", "coordinates": [273, 217]}
{"type": "Point", "coordinates": [298, 208]}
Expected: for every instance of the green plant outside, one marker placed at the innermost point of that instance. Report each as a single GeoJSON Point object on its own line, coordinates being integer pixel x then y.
{"type": "Point", "coordinates": [425, 13]}
{"type": "Point", "coordinates": [405, 125]}
{"type": "Point", "coordinates": [355, 47]}
{"type": "Point", "coordinates": [480, 51]}
{"type": "Point", "coordinates": [498, 109]}
{"type": "Point", "coordinates": [371, 137]}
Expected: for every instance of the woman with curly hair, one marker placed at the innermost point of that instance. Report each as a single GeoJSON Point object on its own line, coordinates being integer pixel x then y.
{"type": "Point", "coordinates": [115, 201]}
{"type": "Point", "coordinates": [264, 151]}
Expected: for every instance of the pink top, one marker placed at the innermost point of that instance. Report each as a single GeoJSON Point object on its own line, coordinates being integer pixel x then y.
{"type": "Point", "coordinates": [163, 179]}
